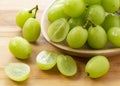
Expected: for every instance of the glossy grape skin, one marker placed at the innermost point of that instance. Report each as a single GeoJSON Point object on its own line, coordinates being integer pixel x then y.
{"type": "Point", "coordinates": [96, 14]}
{"type": "Point", "coordinates": [22, 16]}
{"type": "Point", "coordinates": [97, 37]}
{"type": "Point", "coordinates": [74, 8]}
{"type": "Point", "coordinates": [92, 2]}
{"type": "Point", "coordinates": [58, 30]}
{"type": "Point", "coordinates": [56, 12]}
{"type": "Point", "coordinates": [97, 66]}
{"type": "Point", "coordinates": [111, 21]}
{"type": "Point", "coordinates": [110, 5]}
{"type": "Point", "coordinates": [77, 37]}
{"type": "Point", "coordinates": [66, 65]}
{"type": "Point", "coordinates": [20, 48]}
{"type": "Point", "coordinates": [114, 36]}
{"type": "Point", "coordinates": [75, 22]}
{"type": "Point", "coordinates": [46, 60]}
{"type": "Point", "coordinates": [31, 30]}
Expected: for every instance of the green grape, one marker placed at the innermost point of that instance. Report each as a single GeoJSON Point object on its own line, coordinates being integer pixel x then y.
{"type": "Point", "coordinates": [56, 12]}
{"type": "Point", "coordinates": [22, 16]}
{"type": "Point", "coordinates": [92, 2]}
{"type": "Point", "coordinates": [111, 21]}
{"type": "Point", "coordinates": [46, 60]}
{"type": "Point", "coordinates": [97, 66]}
{"type": "Point", "coordinates": [20, 48]}
{"type": "Point", "coordinates": [75, 22]}
{"type": "Point", "coordinates": [114, 36]}
{"type": "Point", "coordinates": [66, 65]}
{"type": "Point", "coordinates": [17, 71]}
{"type": "Point", "coordinates": [77, 37]}
{"type": "Point", "coordinates": [74, 8]}
{"type": "Point", "coordinates": [31, 30]}
{"type": "Point", "coordinates": [58, 30]}
{"type": "Point", "coordinates": [110, 5]}
{"type": "Point", "coordinates": [96, 14]}
{"type": "Point", "coordinates": [97, 37]}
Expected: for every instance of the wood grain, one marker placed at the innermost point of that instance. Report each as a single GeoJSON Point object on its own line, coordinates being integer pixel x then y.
{"type": "Point", "coordinates": [8, 30]}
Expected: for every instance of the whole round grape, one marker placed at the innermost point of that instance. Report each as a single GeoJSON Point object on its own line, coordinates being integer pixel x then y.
{"type": "Point", "coordinates": [74, 8]}
{"type": "Point", "coordinates": [20, 48]}
{"type": "Point", "coordinates": [111, 20]}
{"type": "Point", "coordinates": [31, 30]}
{"type": "Point", "coordinates": [58, 30]}
{"type": "Point", "coordinates": [75, 22]}
{"type": "Point", "coordinates": [97, 37]}
{"type": "Point", "coordinates": [110, 5]}
{"type": "Point", "coordinates": [77, 37]}
{"type": "Point", "coordinates": [114, 36]}
{"type": "Point", "coordinates": [56, 12]}
{"type": "Point", "coordinates": [22, 16]}
{"type": "Point", "coordinates": [97, 66]}
{"type": "Point", "coordinates": [92, 2]}
{"type": "Point", "coordinates": [96, 14]}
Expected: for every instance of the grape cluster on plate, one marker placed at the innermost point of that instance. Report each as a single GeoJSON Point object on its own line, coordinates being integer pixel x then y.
{"type": "Point", "coordinates": [79, 22]}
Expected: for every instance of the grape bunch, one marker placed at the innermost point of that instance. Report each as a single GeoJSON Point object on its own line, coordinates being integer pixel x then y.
{"type": "Point", "coordinates": [85, 22]}
{"type": "Point", "coordinates": [26, 20]}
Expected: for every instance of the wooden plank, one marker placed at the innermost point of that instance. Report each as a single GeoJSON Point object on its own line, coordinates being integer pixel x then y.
{"type": "Point", "coordinates": [9, 29]}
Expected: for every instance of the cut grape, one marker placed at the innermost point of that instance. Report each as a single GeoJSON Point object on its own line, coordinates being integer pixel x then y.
{"type": "Point", "coordinates": [58, 30]}
{"type": "Point", "coordinates": [97, 66]}
{"type": "Point", "coordinates": [46, 60]}
{"type": "Point", "coordinates": [20, 48]}
{"type": "Point", "coordinates": [17, 71]}
{"type": "Point", "coordinates": [66, 65]}
{"type": "Point", "coordinates": [31, 30]}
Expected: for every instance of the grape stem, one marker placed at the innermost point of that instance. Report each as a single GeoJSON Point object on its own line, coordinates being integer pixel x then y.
{"type": "Point", "coordinates": [36, 9]}
{"type": "Point", "coordinates": [30, 11]}
{"type": "Point", "coordinates": [89, 23]}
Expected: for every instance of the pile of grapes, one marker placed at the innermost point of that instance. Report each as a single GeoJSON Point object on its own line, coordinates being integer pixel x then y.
{"type": "Point", "coordinates": [79, 22]}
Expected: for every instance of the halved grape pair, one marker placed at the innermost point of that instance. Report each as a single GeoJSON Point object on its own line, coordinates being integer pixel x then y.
{"type": "Point", "coordinates": [48, 59]}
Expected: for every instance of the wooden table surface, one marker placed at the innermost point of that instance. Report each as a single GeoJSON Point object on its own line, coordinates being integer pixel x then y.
{"type": "Point", "coordinates": [9, 29]}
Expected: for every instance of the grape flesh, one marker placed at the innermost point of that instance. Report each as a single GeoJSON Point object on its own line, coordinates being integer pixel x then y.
{"type": "Point", "coordinates": [97, 66]}
{"type": "Point", "coordinates": [66, 65]}
{"type": "Point", "coordinates": [58, 30]}
{"type": "Point", "coordinates": [17, 71]}
{"type": "Point", "coordinates": [92, 2]}
{"type": "Point", "coordinates": [46, 60]}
